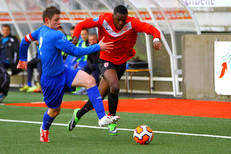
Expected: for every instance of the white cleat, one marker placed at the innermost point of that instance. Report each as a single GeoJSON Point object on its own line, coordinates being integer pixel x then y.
{"type": "Point", "coordinates": [106, 120]}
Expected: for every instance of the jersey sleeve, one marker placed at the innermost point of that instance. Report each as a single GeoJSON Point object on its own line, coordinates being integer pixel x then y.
{"type": "Point", "coordinates": [64, 45]}
{"type": "Point", "coordinates": [88, 23]}
{"type": "Point", "coordinates": [24, 45]}
{"type": "Point", "coordinates": [146, 28]}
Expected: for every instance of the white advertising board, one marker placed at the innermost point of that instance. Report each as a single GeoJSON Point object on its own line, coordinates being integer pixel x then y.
{"type": "Point", "coordinates": [207, 3]}
{"type": "Point", "coordinates": [176, 3]}
{"type": "Point", "coordinates": [222, 67]}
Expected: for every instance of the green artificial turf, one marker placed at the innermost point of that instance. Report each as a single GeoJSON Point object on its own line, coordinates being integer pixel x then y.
{"type": "Point", "coordinates": [23, 138]}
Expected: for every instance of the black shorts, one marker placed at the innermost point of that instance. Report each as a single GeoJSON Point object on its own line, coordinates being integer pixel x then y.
{"type": "Point", "coordinates": [106, 65]}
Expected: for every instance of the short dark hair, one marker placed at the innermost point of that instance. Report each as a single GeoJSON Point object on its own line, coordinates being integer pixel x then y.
{"type": "Point", "coordinates": [86, 30]}
{"type": "Point", "coordinates": [120, 9]}
{"type": "Point", "coordinates": [93, 34]}
{"type": "Point", "coordinates": [72, 28]}
{"type": "Point", "coordinates": [6, 25]}
{"type": "Point", "coordinates": [49, 12]}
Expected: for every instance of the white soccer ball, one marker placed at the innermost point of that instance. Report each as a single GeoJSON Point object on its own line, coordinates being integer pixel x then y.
{"type": "Point", "coordinates": [143, 134]}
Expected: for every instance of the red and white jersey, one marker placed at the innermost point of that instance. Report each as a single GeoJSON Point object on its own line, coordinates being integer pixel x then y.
{"type": "Point", "coordinates": [123, 40]}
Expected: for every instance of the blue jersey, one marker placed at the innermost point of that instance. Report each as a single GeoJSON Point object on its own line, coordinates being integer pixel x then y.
{"type": "Point", "coordinates": [51, 43]}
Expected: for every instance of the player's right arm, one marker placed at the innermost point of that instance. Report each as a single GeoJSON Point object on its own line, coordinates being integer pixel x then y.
{"type": "Point", "coordinates": [88, 23]}
{"type": "Point", "coordinates": [24, 45]}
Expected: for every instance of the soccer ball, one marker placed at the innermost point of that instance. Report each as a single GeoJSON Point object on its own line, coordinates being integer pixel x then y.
{"type": "Point", "coordinates": [143, 134]}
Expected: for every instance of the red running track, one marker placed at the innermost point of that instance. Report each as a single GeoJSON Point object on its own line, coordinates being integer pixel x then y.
{"type": "Point", "coordinates": [182, 107]}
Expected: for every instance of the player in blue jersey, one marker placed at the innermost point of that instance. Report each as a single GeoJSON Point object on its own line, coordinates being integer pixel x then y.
{"type": "Point", "coordinates": [55, 77]}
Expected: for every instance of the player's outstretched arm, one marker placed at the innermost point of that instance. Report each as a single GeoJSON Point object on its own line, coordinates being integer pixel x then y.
{"type": "Point", "coordinates": [64, 45]}
{"type": "Point", "coordinates": [22, 65]}
{"type": "Point", "coordinates": [105, 46]}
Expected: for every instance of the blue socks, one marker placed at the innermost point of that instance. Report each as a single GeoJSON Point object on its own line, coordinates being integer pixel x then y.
{"type": "Point", "coordinates": [96, 100]}
{"type": "Point", "coordinates": [94, 97]}
{"type": "Point", "coordinates": [29, 84]}
{"type": "Point", "coordinates": [47, 121]}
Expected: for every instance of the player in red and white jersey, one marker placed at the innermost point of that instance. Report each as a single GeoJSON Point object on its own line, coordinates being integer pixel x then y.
{"type": "Point", "coordinates": [122, 30]}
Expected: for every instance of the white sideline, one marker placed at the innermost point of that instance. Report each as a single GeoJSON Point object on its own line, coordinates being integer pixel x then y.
{"type": "Point", "coordinates": [125, 129]}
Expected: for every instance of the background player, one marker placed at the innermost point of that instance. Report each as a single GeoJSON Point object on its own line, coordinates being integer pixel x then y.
{"type": "Point", "coordinates": [55, 77]}
{"type": "Point", "coordinates": [122, 30]}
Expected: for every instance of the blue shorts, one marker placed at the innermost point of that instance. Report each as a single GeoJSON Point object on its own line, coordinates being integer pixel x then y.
{"type": "Point", "coordinates": [54, 87]}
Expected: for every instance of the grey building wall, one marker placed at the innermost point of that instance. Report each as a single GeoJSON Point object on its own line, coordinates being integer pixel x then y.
{"type": "Point", "coordinates": [198, 66]}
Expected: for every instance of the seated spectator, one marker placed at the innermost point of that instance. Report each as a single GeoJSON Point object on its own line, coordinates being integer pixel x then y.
{"type": "Point", "coordinates": [82, 62]}
{"type": "Point", "coordinates": [9, 50]}
{"type": "Point", "coordinates": [79, 62]}
{"type": "Point", "coordinates": [92, 60]}
{"type": "Point", "coordinates": [69, 37]}
{"type": "Point", "coordinates": [92, 64]}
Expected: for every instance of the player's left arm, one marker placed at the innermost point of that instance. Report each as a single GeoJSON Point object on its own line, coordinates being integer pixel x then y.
{"type": "Point", "coordinates": [148, 29]}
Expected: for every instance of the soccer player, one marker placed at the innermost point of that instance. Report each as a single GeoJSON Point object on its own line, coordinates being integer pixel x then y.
{"type": "Point", "coordinates": [122, 30]}
{"type": "Point", "coordinates": [55, 77]}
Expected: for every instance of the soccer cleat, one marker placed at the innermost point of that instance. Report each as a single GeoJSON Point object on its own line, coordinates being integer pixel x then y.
{"type": "Point", "coordinates": [31, 89]}
{"type": "Point", "coordinates": [76, 89]}
{"type": "Point", "coordinates": [25, 88]}
{"type": "Point", "coordinates": [112, 129]}
{"type": "Point", "coordinates": [38, 88]}
{"type": "Point", "coordinates": [106, 120]}
{"type": "Point", "coordinates": [74, 120]}
{"type": "Point", "coordinates": [44, 135]}
{"type": "Point", "coordinates": [82, 91]}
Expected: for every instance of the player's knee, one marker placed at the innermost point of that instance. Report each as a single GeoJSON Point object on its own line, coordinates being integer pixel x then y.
{"type": "Point", "coordinates": [90, 82]}
{"type": "Point", "coordinates": [115, 88]}
{"type": "Point", "coordinates": [58, 112]}
{"type": "Point", "coordinates": [54, 113]}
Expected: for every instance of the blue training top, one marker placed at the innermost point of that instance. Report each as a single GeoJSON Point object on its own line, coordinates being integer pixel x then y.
{"type": "Point", "coordinates": [51, 43]}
